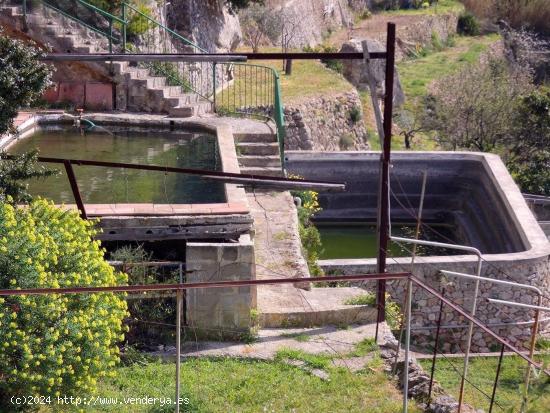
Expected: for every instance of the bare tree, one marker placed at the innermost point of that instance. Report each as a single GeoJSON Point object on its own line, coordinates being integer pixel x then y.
{"type": "Point", "coordinates": [475, 108]}
{"type": "Point", "coordinates": [289, 25]}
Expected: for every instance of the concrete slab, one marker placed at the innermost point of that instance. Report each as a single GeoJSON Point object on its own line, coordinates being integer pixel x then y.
{"type": "Point", "coordinates": [321, 340]}
{"type": "Point", "coordinates": [278, 255]}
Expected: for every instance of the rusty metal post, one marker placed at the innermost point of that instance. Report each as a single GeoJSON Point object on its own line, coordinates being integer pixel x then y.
{"type": "Point", "coordinates": [496, 379]}
{"type": "Point", "coordinates": [179, 308]}
{"type": "Point", "coordinates": [74, 188]}
{"type": "Point", "coordinates": [436, 345]}
{"type": "Point", "coordinates": [384, 191]}
{"type": "Point", "coordinates": [532, 346]}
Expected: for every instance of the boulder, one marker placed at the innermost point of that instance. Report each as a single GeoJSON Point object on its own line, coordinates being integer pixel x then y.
{"type": "Point", "coordinates": [355, 71]}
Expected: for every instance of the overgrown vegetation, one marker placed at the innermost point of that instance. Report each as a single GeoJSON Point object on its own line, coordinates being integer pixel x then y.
{"type": "Point", "coordinates": [54, 344]}
{"type": "Point", "coordinates": [394, 316]}
{"type": "Point", "coordinates": [149, 318]}
{"type": "Point", "coordinates": [23, 79]}
{"type": "Point", "coordinates": [468, 24]}
{"type": "Point", "coordinates": [309, 234]}
{"type": "Point", "coordinates": [493, 106]}
{"type": "Point", "coordinates": [15, 174]}
{"type": "Point", "coordinates": [510, 389]}
{"type": "Point", "coordinates": [532, 14]}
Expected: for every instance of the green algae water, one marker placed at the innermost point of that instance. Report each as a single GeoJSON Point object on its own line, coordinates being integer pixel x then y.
{"type": "Point", "coordinates": [359, 240]}
{"type": "Point", "coordinates": [101, 185]}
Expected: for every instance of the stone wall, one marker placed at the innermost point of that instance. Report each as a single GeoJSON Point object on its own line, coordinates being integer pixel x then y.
{"type": "Point", "coordinates": [316, 18]}
{"type": "Point", "coordinates": [326, 123]}
{"type": "Point", "coordinates": [208, 23]}
{"type": "Point", "coordinates": [221, 312]}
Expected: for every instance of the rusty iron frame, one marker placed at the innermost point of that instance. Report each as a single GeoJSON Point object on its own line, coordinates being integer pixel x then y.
{"type": "Point", "coordinates": [180, 289]}
{"type": "Point", "coordinates": [388, 56]}
{"type": "Point", "coordinates": [227, 177]}
{"type": "Point", "coordinates": [384, 189]}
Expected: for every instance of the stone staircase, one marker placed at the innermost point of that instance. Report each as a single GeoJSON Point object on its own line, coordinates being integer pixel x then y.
{"type": "Point", "coordinates": [137, 88]}
{"type": "Point", "coordinates": [258, 154]}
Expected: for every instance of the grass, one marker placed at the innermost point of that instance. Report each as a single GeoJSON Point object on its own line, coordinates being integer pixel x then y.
{"type": "Point", "coordinates": [294, 88]}
{"type": "Point", "coordinates": [301, 337]}
{"type": "Point", "coordinates": [233, 385]}
{"type": "Point", "coordinates": [417, 74]}
{"type": "Point", "coordinates": [482, 374]}
{"type": "Point", "coordinates": [363, 299]}
{"type": "Point", "coordinates": [441, 7]}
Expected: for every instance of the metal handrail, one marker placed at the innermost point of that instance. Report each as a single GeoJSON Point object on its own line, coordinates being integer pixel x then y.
{"type": "Point", "coordinates": [102, 12]}
{"type": "Point", "coordinates": [226, 177]}
{"type": "Point", "coordinates": [112, 18]}
{"type": "Point", "coordinates": [279, 118]}
{"type": "Point", "coordinates": [274, 98]}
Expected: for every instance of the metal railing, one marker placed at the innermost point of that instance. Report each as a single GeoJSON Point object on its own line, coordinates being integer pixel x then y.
{"type": "Point", "coordinates": [145, 35]}
{"type": "Point", "coordinates": [227, 177]}
{"type": "Point", "coordinates": [181, 288]}
{"type": "Point", "coordinates": [253, 91]}
{"type": "Point", "coordinates": [100, 22]}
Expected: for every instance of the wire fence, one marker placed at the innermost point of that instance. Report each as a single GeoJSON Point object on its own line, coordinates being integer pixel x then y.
{"type": "Point", "coordinates": [492, 382]}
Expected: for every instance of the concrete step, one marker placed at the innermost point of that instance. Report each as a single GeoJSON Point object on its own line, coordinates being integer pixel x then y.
{"type": "Point", "coordinates": [154, 82]}
{"type": "Point", "coordinates": [317, 307]}
{"type": "Point", "coordinates": [261, 161]}
{"type": "Point", "coordinates": [186, 111]}
{"type": "Point", "coordinates": [168, 91]}
{"type": "Point", "coordinates": [258, 148]}
{"type": "Point", "coordinates": [190, 99]}
{"type": "Point", "coordinates": [262, 171]}
{"type": "Point", "coordinates": [11, 11]}
{"type": "Point", "coordinates": [255, 137]}
{"type": "Point", "coordinates": [137, 72]}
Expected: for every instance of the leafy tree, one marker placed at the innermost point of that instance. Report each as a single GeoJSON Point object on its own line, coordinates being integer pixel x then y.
{"type": "Point", "coordinates": [23, 79]}
{"type": "Point", "coordinates": [259, 24]}
{"type": "Point", "coordinates": [15, 172]}
{"type": "Point", "coordinates": [528, 155]}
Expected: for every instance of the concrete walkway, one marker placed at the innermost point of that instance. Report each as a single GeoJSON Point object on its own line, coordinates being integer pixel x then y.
{"type": "Point", "coordinates": [328, 340]}
{"type": "Point", "coordinates": [278, 255]}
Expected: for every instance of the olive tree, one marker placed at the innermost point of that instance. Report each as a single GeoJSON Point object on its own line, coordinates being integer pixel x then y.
{"type": "Point", "coordinates": [23, 79]}
{"type": "Point", "coordinates": [260, 25]}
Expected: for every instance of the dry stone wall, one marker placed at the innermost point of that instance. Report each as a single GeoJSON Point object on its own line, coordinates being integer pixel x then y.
{"type": "Point", "coordinates": [326, 123]}
{"type": "Point", "coordinates": [513, 323]}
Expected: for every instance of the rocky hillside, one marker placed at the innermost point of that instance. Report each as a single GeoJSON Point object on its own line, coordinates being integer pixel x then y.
{"type": "Point", "coordinates": [207, 23]}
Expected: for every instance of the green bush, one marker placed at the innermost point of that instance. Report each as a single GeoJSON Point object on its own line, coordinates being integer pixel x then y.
{"type": "Point", "coordinates": [139, 24]}
{"type": "Point", "coordinates": [54, 344]}
{"type": "Point", "coordinates": [355, 114]}
{"type": "Point", "coordinates": [467, 24]}
{"type": "Point", "coordinates": [23, 79]}
{"type": "Point", "coordinates": [332, 64]}
{"type": "Point", "coordinates": [346, 141]}
{"type": "Point", "coordinates": [309, 234]}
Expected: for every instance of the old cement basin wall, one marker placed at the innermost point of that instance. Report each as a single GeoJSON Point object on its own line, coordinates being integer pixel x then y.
{"type": "Point", "coordinates": [217, 242]}
{"type": "Point", "coordinates": [475, 193]}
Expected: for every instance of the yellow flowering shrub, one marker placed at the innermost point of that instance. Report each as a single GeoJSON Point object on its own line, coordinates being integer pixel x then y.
{"type": "Point", "coordinates": [54, 344]}
{"type": "Point", "coordinates": [309, 234]}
